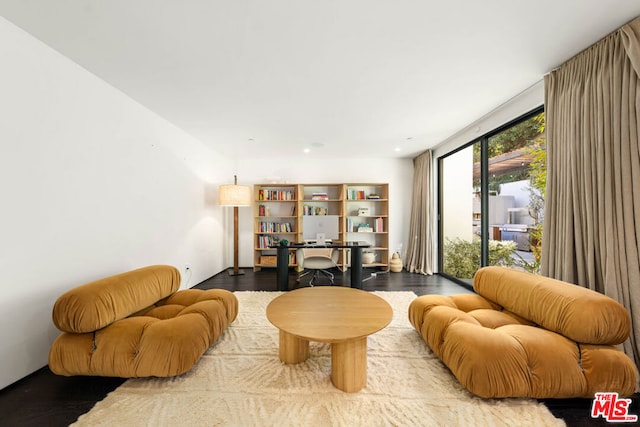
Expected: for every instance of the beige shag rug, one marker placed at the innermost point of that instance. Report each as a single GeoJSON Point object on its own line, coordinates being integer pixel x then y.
{"type": "Point", "coordinates": [241, 382]}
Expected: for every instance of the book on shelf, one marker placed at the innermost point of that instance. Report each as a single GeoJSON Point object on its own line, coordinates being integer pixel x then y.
{"type": "Point", "coordinates": [356, 195]}
{"type": "Point", "coordinates": [265, 241]}
{"type": "Point", "coordinates": [275, 227]}
{"type": "Point", "coordinates": [354, 227]}
{"type": "Point", "coordinates": [314, 210]}
{"type": "Point", "coordinates": [278, 195]}
{"type": "Point", "coordinates": [379, 226]}
{"type": "Point", "coordinates": [365, 228]}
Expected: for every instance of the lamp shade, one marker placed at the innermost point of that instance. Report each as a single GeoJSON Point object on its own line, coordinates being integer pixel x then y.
{"type": "Point", "coordinates": [234, 195]}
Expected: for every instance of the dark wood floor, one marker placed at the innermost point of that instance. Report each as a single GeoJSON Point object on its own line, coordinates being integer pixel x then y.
{"type": "Point", "coordinates": [45, 399]}
{"type": "Point", "coordinates": [373, 280]}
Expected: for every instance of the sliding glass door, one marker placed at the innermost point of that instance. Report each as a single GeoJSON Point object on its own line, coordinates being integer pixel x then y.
{"type": "Point", "coordinates": [491, 200]}
{"type": "Point", "coordinates": [517, 176]}
{"type": "Point", "coordinates": [460, 214]}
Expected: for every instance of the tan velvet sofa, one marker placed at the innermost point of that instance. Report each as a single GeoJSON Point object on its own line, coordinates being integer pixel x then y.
{"type": "Point", "coordinates": [525, 335]}
{"type": "Point", "coordinates": [137, 324]}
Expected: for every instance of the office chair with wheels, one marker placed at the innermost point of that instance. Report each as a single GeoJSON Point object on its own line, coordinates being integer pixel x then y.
{"type": "Point", "coordinates": [316, 261]}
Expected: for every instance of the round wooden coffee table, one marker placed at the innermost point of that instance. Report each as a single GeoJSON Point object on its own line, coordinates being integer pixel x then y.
{"type": "Point", "coordinates": [341, 316]}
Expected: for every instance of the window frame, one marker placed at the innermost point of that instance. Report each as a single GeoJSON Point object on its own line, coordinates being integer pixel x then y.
{"type": "Point", "coordinates": [484, 192]}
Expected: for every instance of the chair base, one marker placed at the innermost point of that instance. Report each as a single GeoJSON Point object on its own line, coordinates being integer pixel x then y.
{"type": "Point", "coordinates": [316, 275]}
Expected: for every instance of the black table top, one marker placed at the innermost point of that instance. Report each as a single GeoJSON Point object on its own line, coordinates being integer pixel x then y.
{"type": "Point", "coordinates": [325, 245]}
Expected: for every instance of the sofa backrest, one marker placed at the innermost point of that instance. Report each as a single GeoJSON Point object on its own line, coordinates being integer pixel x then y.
{"type": "Point", "coordinates": [577, 313]}
{"type": "Point", "coordinates": [94, 305]}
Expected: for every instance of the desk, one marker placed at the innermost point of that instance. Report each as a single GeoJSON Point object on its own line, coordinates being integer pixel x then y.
{"type": "Point", "coordinates": [282, 266]}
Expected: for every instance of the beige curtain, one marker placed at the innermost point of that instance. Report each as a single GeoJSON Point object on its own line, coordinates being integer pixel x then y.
{"type": "Point", "coordinates": [420, 250]}
{"type": "Point", "coordinates": [591, 233]}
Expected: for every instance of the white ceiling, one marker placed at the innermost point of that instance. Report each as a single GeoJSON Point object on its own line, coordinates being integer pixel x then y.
{"type": "Point", "coordinates": [340, 77]}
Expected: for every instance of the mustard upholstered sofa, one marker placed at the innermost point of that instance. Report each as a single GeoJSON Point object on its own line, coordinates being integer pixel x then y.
{"type": "Point", "coordinates": [525, 335]}
{"type": "Point", "coordinates": [137, 324]}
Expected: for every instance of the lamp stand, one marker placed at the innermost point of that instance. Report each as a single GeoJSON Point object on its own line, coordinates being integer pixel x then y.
{"type": "Point", "coordinates": [236, 271]}
{"type": "Point", "coordinates": [234, 195]}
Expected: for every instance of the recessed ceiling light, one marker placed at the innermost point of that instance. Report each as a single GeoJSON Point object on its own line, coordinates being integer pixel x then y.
{"type": "Point", "coordinates": [306, 150]}
{"type": "Point", "coordinates": [396, 149]}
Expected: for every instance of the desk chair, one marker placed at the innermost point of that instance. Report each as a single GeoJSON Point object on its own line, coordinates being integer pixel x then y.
{"type": "Point", "coordinates": [317, 260]}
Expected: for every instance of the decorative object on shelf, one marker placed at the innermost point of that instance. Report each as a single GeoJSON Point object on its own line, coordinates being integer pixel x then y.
{"type": "Point", "coordinates": [368, 257]}
{"type": "Point", "coordinates": [234, 195]}
{"type": "Point", "coordinates": [270, 260]}
{"type": "Point", "coordinates": [363, 211]}
{"type": "Point", "coordinates": [395, 265]}
{"type": "Point", "coordinates": [284, 242]}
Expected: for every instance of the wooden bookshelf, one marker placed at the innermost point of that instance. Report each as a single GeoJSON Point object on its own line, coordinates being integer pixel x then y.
{"type": "Point", "coordinates": [363, 210]}
{"type": "Point", "coordinates": [275, 218]}
{"type": "Point", "coordinates": [366, 213]}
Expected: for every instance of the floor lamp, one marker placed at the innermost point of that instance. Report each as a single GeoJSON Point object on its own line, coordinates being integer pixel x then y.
{"type": "Point", "coordinates": [234, 195]}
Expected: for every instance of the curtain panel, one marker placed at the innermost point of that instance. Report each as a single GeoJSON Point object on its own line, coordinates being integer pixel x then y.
{"type": "Point", "coordinates": [591, 234]}
{"type": "Point", "coordinates": [420, 250]}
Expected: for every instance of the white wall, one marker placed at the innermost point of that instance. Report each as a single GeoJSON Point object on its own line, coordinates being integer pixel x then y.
{"type": "Point", "coordinates": [457, 175]}
{"type": "Point", "coordinates": [458, 199]}
{"type": "Point", "coordinates": [92, 184]}
{"type": "Point", "coordinates": [520, 190]}
{"type": "Point", "coordinates": [524, 102]}
{"type": "Point", "coordinates": [308, 170]}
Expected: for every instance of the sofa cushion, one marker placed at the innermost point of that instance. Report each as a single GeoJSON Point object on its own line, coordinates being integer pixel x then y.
{"type": "Point", "coordinates": [189, 297]}
{"type": "Point", "coordinates": [494, 319]}
{"type": "Point", "coordinates": [95, 305]}
{"type": "Point", "coordinates": [577, 313]}
{"type": "Point", "coordinates": [463, 302]}
{"type": "Point", "coordinates": [524, 361]}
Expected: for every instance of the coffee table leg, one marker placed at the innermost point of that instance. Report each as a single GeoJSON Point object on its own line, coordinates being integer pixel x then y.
{"type": "Point", "coordinates": [349, 364]}
{"type": "Point", "coordinates": [293, 349]}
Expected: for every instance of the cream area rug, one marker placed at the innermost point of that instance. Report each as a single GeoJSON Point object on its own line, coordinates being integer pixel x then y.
{"type": "Point", "coordinates": [241, 382]}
